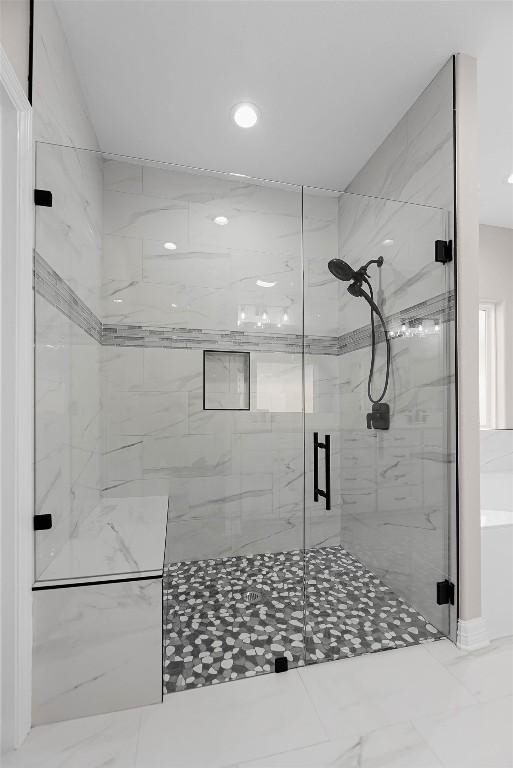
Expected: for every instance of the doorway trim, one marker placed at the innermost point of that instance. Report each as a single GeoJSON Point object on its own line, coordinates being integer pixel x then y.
{"type": "Point", "coordinates": [16, 407]}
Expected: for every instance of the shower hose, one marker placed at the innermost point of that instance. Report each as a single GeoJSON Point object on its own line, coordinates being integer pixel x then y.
{"type": "Point", "coordinates": [369, 298]}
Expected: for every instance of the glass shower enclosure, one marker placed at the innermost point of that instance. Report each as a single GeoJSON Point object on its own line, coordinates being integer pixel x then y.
{"type": "Point", "coordinates": [196, 359]}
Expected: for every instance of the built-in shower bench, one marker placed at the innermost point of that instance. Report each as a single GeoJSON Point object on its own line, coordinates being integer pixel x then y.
{"type": "Point", "coordinates": [98, 613]}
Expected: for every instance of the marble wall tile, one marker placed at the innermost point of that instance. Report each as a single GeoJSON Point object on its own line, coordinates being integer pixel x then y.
{"type": "Point", "coordinates": [201, 422]}
{"type": "Point", "coordinates": [69, 238]}
{"type": "Point", "coordinates": [69, 234]}
{"type": "Point", "coordinates": [197, 540]}
{"type": "Point", "coordinates": [208, 280]}
{"type": "Point", "coordinates": [395, 504]}
{"type": "Point", "coordinates": [60, 109]}
{"type": "Point", "coordinates": [123, 176]}
{"type": "Point", "coordinates": [188, 455]}
{"type": "Point", "coordinates": [409, 274]}
{"type": "Point", "coordinates": [415, 162]}
{"type": "Point", "coordinates": [122, 261]}
{"type": "Point", "coordinates": [67, 427]}
{"type": "Point", "coordinates": [121, 460]}
{"type": "Point", "coordinates": [174, 370]}
{"type": "Point", "coordinates": [121, 369]}
{"type": "Point", "coordinates": [395, 488]}
{"type": "Point", "coordinates": [217, 189]}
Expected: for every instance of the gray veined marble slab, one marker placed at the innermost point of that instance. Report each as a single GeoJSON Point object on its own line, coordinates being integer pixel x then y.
{"type": "Point", "coordinates": [97, 648]}
{"type": "Point", "coordinates": [120, 537]}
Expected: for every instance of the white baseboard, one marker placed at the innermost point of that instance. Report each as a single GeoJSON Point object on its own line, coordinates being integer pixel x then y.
{"type": "Point", "coordinates": [472, 634]}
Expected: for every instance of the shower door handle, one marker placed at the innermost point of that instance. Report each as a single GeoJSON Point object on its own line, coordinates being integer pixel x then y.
{"type": "Point", "coordinates": [326, 494]}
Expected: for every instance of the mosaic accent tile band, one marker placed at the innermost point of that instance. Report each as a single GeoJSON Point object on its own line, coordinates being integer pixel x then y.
{"type": "Point", "coordinates": [230, 618]}
{"type": "Point", "coordinates": [190, 338]}
{"type": "Point", "coordinates": [56, 291]}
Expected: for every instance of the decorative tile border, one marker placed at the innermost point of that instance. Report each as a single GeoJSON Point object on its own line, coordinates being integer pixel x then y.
{"type": "Point", "coordinates": [193, 338]}
{"type": "Point", "coordinates": [58, 293]}
{"type": "Point", "coordinates": [439, 309]}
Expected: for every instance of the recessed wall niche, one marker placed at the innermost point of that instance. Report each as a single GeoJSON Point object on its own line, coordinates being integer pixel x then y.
{"type": "Point", "coordinates": [225, 381]}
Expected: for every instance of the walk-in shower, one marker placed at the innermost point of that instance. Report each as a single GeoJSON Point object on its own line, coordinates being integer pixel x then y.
{"type": "Point", "coordinates": [226, 381]}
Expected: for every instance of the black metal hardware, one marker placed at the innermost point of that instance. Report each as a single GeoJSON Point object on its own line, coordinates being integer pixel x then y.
{"type": "Point", "coordinates": [443, 251]}
{"type": "Point", "coordinates": [281, 664]}
{"type": "Point", "coordinates": [327, 466]}
{"type": "Point", "coordinates": [43, 197]}
{"type": "Point", "coordinates": [42, 522]}
{"type": "Point", "coordinates": [379, 418]}
{"type": "Point", "coordinates": [444, 592]}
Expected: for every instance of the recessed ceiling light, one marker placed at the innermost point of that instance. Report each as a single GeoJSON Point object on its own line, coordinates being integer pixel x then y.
{"type": "Point", "coordinates": [245, 115]}
{"type": "Point", "coordinates": [510, 178]}
{"type": "Point", "coordinates": [239, 175]}
{"type": "Point", "coordinates": [388, 241]}
{"type": "Point", "coordinates": [170, 246]}
{"type": "Point", "coordinates": [221, 221]}
{"type": "Point", "coordinates": [118, 301]}
{"type": "Point", "coordinates": [263, 284]}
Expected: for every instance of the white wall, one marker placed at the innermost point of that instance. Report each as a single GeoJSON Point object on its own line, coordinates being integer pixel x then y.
{"type": "Point", "coordinates": [496, 286]}
{"type": "Point", "coordinates": [470, 627]}
{"type": "Point", "coordinates": [16, 406]}
{"type": "Point", "coordinates": [14, 36]}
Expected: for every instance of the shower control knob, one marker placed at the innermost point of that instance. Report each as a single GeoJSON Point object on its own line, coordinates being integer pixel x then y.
{"type": "Point", "coordinates": [379, 418]}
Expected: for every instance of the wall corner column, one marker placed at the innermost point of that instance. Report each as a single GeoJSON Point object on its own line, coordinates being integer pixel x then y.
{"type": "Point", "coordinates": [467, 255]}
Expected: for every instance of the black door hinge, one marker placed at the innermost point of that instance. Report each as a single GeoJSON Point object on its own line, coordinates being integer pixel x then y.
{"type": "Point", "coordinates": [444, 592]}
{"type": "Point", "coordinates": [443, 251]}
{"type": "Point", "coordinates": [43, 197]}
{"type": "Point", "coordinates": [42, 522]}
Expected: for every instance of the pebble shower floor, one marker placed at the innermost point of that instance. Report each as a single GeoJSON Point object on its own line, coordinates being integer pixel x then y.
{"type": "Point", "coordinates": [230, 618]}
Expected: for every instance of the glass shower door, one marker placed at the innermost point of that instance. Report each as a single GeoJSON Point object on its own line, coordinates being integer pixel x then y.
{"type": "Point", "coordinates": [169, 348]}
{"type": "Point", "coordinates": [376, 501]}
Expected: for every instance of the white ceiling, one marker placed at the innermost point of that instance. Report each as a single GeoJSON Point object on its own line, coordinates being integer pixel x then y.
{"type": "Point", "coordinates": [330, 78]}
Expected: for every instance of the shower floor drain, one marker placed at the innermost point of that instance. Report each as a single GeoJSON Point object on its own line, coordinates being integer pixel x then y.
{"type": "Point", "coordinates": [252, 596]}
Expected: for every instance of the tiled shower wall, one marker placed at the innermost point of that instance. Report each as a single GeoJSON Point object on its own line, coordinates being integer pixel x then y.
{"type": "Point", "coordinates": [68, 237]}
{"type": "Point", "coordinates": [235, 478]}
{"type": "Point", "coordinates": [398, 486]}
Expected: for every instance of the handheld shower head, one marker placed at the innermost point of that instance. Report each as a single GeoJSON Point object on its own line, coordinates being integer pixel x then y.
{"type": "Point", "coordinates": [341, 270]}
{"type": "Point", "coordinates": [357, 279]}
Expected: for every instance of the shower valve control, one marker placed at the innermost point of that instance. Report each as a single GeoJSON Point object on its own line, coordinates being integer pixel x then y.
{"type": "Point", "coordinates": [379, 417]}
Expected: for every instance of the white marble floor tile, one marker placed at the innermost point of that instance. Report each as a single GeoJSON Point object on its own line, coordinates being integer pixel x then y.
{"type": "Point", "coordinates": [487, 673]}
{"type": "Point", "coordinates": [381, 689]}
{"type": "Point", "coordinates": [480, 736]}
{"type": "Point", "coordinates": [224, 724]}
{"type": "Point", "coordinates": [88, 742]}
{"type": "Point", "coordinates": [397, 746]}
{"type": "Point", "coordinates": [398, 709]}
